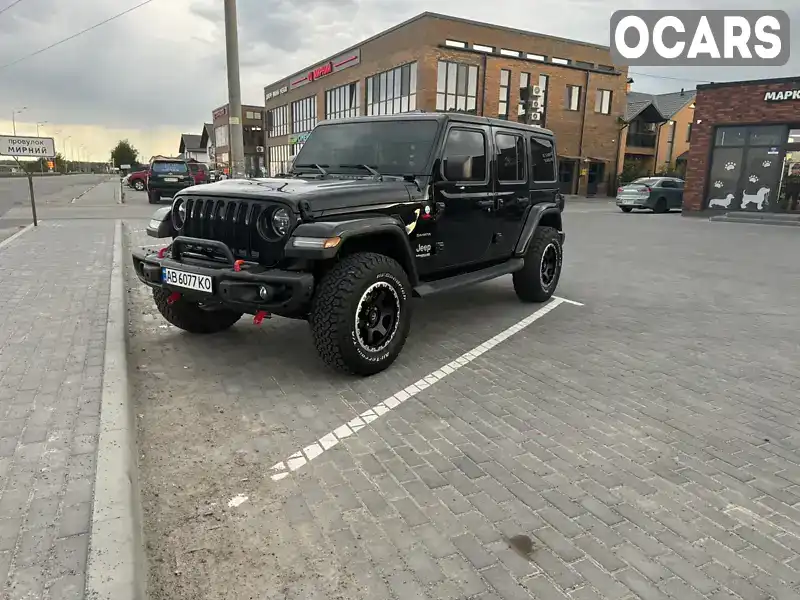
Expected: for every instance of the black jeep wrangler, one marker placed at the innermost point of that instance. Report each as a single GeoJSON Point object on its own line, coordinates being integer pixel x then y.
{"type": "Point", "coordinates": [375, 210]}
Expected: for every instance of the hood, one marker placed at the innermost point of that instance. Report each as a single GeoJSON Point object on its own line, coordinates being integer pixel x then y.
{"type": "Point", "coordinates": [322, 194]}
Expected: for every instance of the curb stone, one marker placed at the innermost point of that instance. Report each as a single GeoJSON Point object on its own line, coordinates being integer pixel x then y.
{"type": "Point", "coordinates": [116, 567]}
{"type": "Point", "coordinates": [11, 238]}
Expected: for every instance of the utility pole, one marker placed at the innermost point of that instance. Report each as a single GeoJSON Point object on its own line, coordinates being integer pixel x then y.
{"type": "Point", "coordinates": [234, 91]}
{"type": "Point", "coordinates": [14, 114]}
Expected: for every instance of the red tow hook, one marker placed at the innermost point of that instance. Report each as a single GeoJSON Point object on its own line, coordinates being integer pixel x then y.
{"type": "Point", "coordinates": [260, 316]}
{"type": "Point", "coordinates": [163, 252]}
{"type": "Point", "coordinates": [173, 298]}
{"type": "Point", "coordinates": [237, 265]}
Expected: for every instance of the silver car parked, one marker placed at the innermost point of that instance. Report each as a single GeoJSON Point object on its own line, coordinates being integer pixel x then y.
{"type": "Point", "coordinates": [659, 194]}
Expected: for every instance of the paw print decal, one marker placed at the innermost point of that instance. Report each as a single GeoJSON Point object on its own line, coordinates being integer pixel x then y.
{"type": "Point", "coordinates": [730, 166]}
{"type": "Point", "coordinates": [753, 179]}
{"type": "Point", "coordinates": [718, 184]}
{"type": "Point", "coordinates": [766, 163]}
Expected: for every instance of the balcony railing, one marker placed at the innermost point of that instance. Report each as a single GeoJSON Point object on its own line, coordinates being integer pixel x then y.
{"type": "Point", "coordinates": [642, 140]}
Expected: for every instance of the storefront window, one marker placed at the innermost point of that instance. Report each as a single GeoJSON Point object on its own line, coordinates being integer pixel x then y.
{"type": "Point", "coordinates": [766, 136]}
{"type": "Point", "coordinates": [731, 136]}
{"type": "Point", "coordinates": [794, 136]}
{"type": "Point", "coordinates": [746, 167]}
{"type": "Point", "coordinates": [304, 114]}
{"type": "Point", "coordinates": [278, 159]}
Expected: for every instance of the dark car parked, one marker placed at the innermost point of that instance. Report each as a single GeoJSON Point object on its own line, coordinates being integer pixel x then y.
{"type": "Point", "coordinates": [166, 177]}
{"type": "Point", "coordinates": [659, 194]}
{"type": "Point", "coordinates": [375, 211]}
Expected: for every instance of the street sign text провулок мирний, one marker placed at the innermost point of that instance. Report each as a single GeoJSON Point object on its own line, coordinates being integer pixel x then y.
{"type": "Point", "coordinates": [36, 147]}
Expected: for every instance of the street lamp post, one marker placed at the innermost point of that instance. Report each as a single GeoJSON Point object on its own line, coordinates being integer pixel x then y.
{"type": "Point", "coordinates": [234, 91]}
{"type": "Point", "coordinates": [14, 114]}
{"type": "Point", "coordinates": [41, 160]}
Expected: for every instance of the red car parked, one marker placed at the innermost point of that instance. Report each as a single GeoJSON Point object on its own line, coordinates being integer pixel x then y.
{"type": "Point", "coordinates": [199, 172]}
{"type": "Point", "coordinates": [138, 178]}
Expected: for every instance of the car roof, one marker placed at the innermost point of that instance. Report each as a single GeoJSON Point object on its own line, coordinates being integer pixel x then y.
{"type": "Point", "coordinates": [445, 116]}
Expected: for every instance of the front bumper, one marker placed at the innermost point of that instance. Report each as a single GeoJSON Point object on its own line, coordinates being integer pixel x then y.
{"type": "Point", "coordinates": [289, 292]}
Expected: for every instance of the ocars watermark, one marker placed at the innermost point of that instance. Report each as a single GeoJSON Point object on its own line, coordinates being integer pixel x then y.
{"type": "Point", "coordinates": [700, 38]}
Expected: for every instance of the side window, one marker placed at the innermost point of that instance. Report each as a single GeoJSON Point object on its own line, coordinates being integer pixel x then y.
{"type": "Point", "coordinates": [679, 184]}
{"type": "Point", "coordinates": [543, 160]}
{"type": "Point", "coordinates": [668, 183]}
{"type": "Point", "coordinates": [510, 157]}
{"type": "Point", "coordinates": [468, 147]}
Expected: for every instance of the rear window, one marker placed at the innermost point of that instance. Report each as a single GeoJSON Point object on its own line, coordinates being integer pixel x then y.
{"type": "Point", "coordinates": [195, 168]}
{"type": "Point", "coordinates": [646, 181]}
{"type": "Point", "coordinates": [170, 167]}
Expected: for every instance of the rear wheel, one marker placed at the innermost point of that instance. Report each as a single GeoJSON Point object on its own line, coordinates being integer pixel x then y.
{"type": "Point", "coordinates": [361, 313]}
{"type": "Point", "coordinates": [661, 206]}
{"type": "Point", "coordinates": [625, 209]}
{"type": "Point", "coordinates": [192, 316]}
{"type": "Point", "coordinates": [538, 278]}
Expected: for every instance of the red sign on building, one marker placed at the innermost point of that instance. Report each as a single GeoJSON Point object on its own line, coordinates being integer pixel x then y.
{"type": "Point", "coordinates": [326, 69]}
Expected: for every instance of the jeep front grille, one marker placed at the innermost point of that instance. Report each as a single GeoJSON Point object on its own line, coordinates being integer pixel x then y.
{"type": "Point", "coordinates": [234, 223]}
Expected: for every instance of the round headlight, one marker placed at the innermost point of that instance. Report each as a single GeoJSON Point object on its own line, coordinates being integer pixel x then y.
{"type": "Point", "coordinates": [179, 213]}
{"type": "Point", "coordinates": [281, 221]}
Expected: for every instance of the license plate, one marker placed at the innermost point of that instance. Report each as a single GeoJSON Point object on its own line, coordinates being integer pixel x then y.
{"type": "Point", "coordinates": [192, 281]}
{"type": "Point", "coordinates": [627, 201]}
{"type": "Point", "coordinates": [170, 179]}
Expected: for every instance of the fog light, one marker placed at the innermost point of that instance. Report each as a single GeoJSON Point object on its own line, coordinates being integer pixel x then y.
{"type": "Point", "coordinates": [263, 291]}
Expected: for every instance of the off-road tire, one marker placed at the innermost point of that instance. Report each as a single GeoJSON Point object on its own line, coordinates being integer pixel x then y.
{"type": "Point", "coordinates": [528, 281]}
{"type": "Point", "coordinates": [153, 197]}
{"type": "Point", "coordinates": [139, 185]}
{"type": "Point", "coordinates": [660, 206]}
{"type": "Point", "coordinates": [333, 316]}
{"type": "Point", "coordinates": [625, 209]}
{"type": "Point", "coordinates": [190, 317]}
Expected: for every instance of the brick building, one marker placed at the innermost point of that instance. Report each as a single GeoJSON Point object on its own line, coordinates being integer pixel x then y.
{"type": "Point", "coordinates": [252, 133]}
{"type": "Point", "coordinates": [436, 62]}
{"type": "Point", "coordinates": [745, 147]}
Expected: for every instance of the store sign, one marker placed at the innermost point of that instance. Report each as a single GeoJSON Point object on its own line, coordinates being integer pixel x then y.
{"type": "Point", "coordinates": [343, 61]}
{"type": "Point", "coordinates": [274, 93]}
{"type": "Point", "coordinates": [220, 112]}
{"type": "Point", "coordinates": [782, 96]}
{"type": "Point", "coordinates": [299, 138]}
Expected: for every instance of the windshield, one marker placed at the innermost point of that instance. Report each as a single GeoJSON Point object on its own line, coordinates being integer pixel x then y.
{"type": "Point", "coordinates": [646, 181]}
{"type": "Point", "coordinates": [390, 147]}
{"type": "Point", "coordinates": [170, 167]}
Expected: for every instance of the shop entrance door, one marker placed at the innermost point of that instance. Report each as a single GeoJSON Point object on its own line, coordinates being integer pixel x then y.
{"type": "Point", "coordinates": [789, 191]}
{"type": "Point", "coordinates": [566, 176]}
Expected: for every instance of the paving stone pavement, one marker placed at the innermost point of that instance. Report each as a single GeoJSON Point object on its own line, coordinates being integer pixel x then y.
{"type": "Point", "coordinates": [648, 442]}
{"type": "Point", "coordinates": [54, 281]}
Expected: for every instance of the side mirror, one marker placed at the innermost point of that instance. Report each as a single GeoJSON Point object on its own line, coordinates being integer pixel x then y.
{"type": "Point", "coordinates": [457, 168]}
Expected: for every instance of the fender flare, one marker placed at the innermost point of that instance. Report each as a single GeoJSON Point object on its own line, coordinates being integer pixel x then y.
{"type": "Point", "coordinates": [350, 230]}
{"type": "Point", "coordinates": [549, 211]}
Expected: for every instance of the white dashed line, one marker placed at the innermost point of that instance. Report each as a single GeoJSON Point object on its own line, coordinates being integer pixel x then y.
{"type": "Point", "coordinates": [328, 441]}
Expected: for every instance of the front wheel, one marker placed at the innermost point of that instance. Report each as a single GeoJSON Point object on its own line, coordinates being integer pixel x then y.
{"type": "Point", "coordinates": [138, 185]}
{"type": "Point", "coordinates": [538, 278]}
{"type": "Point", "coordinates": [191, 316]}
{"type": "Point", "coordinates": [625, 209]}
{"type": "Point", "coordinates": [361, 313]}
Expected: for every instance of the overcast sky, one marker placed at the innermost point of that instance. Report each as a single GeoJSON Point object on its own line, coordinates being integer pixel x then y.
{"type": "Point", "coordinates": [160, 70]}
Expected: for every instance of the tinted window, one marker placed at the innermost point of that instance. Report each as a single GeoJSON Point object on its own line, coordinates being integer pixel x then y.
{"type": "Point", "coordinates": [731, 136]}
{"type": "Point", "coordinates": [767, 136]}
{"type": "Point", "coordinates": [468, 143]}
{"type": "Point", "coordinates": [510, 157]}
{"type": "Point", "coordinates": [170, 167]}
{"type": "Point", "coordinates": [646, 181]}
{"type": "Point", "coordinates": [543, 160]}
{"type": "Point", "coordinates": [392, 147]}
{"type": "Point", "coordinates": [668, 183]}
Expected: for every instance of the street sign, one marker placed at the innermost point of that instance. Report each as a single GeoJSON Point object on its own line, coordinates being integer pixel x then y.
{"type": "Point", "coordinates": [35, 147]}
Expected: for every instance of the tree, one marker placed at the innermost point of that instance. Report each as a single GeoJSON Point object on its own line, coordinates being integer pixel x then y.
{"type": "Point", "coordinates": [124, 154]}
